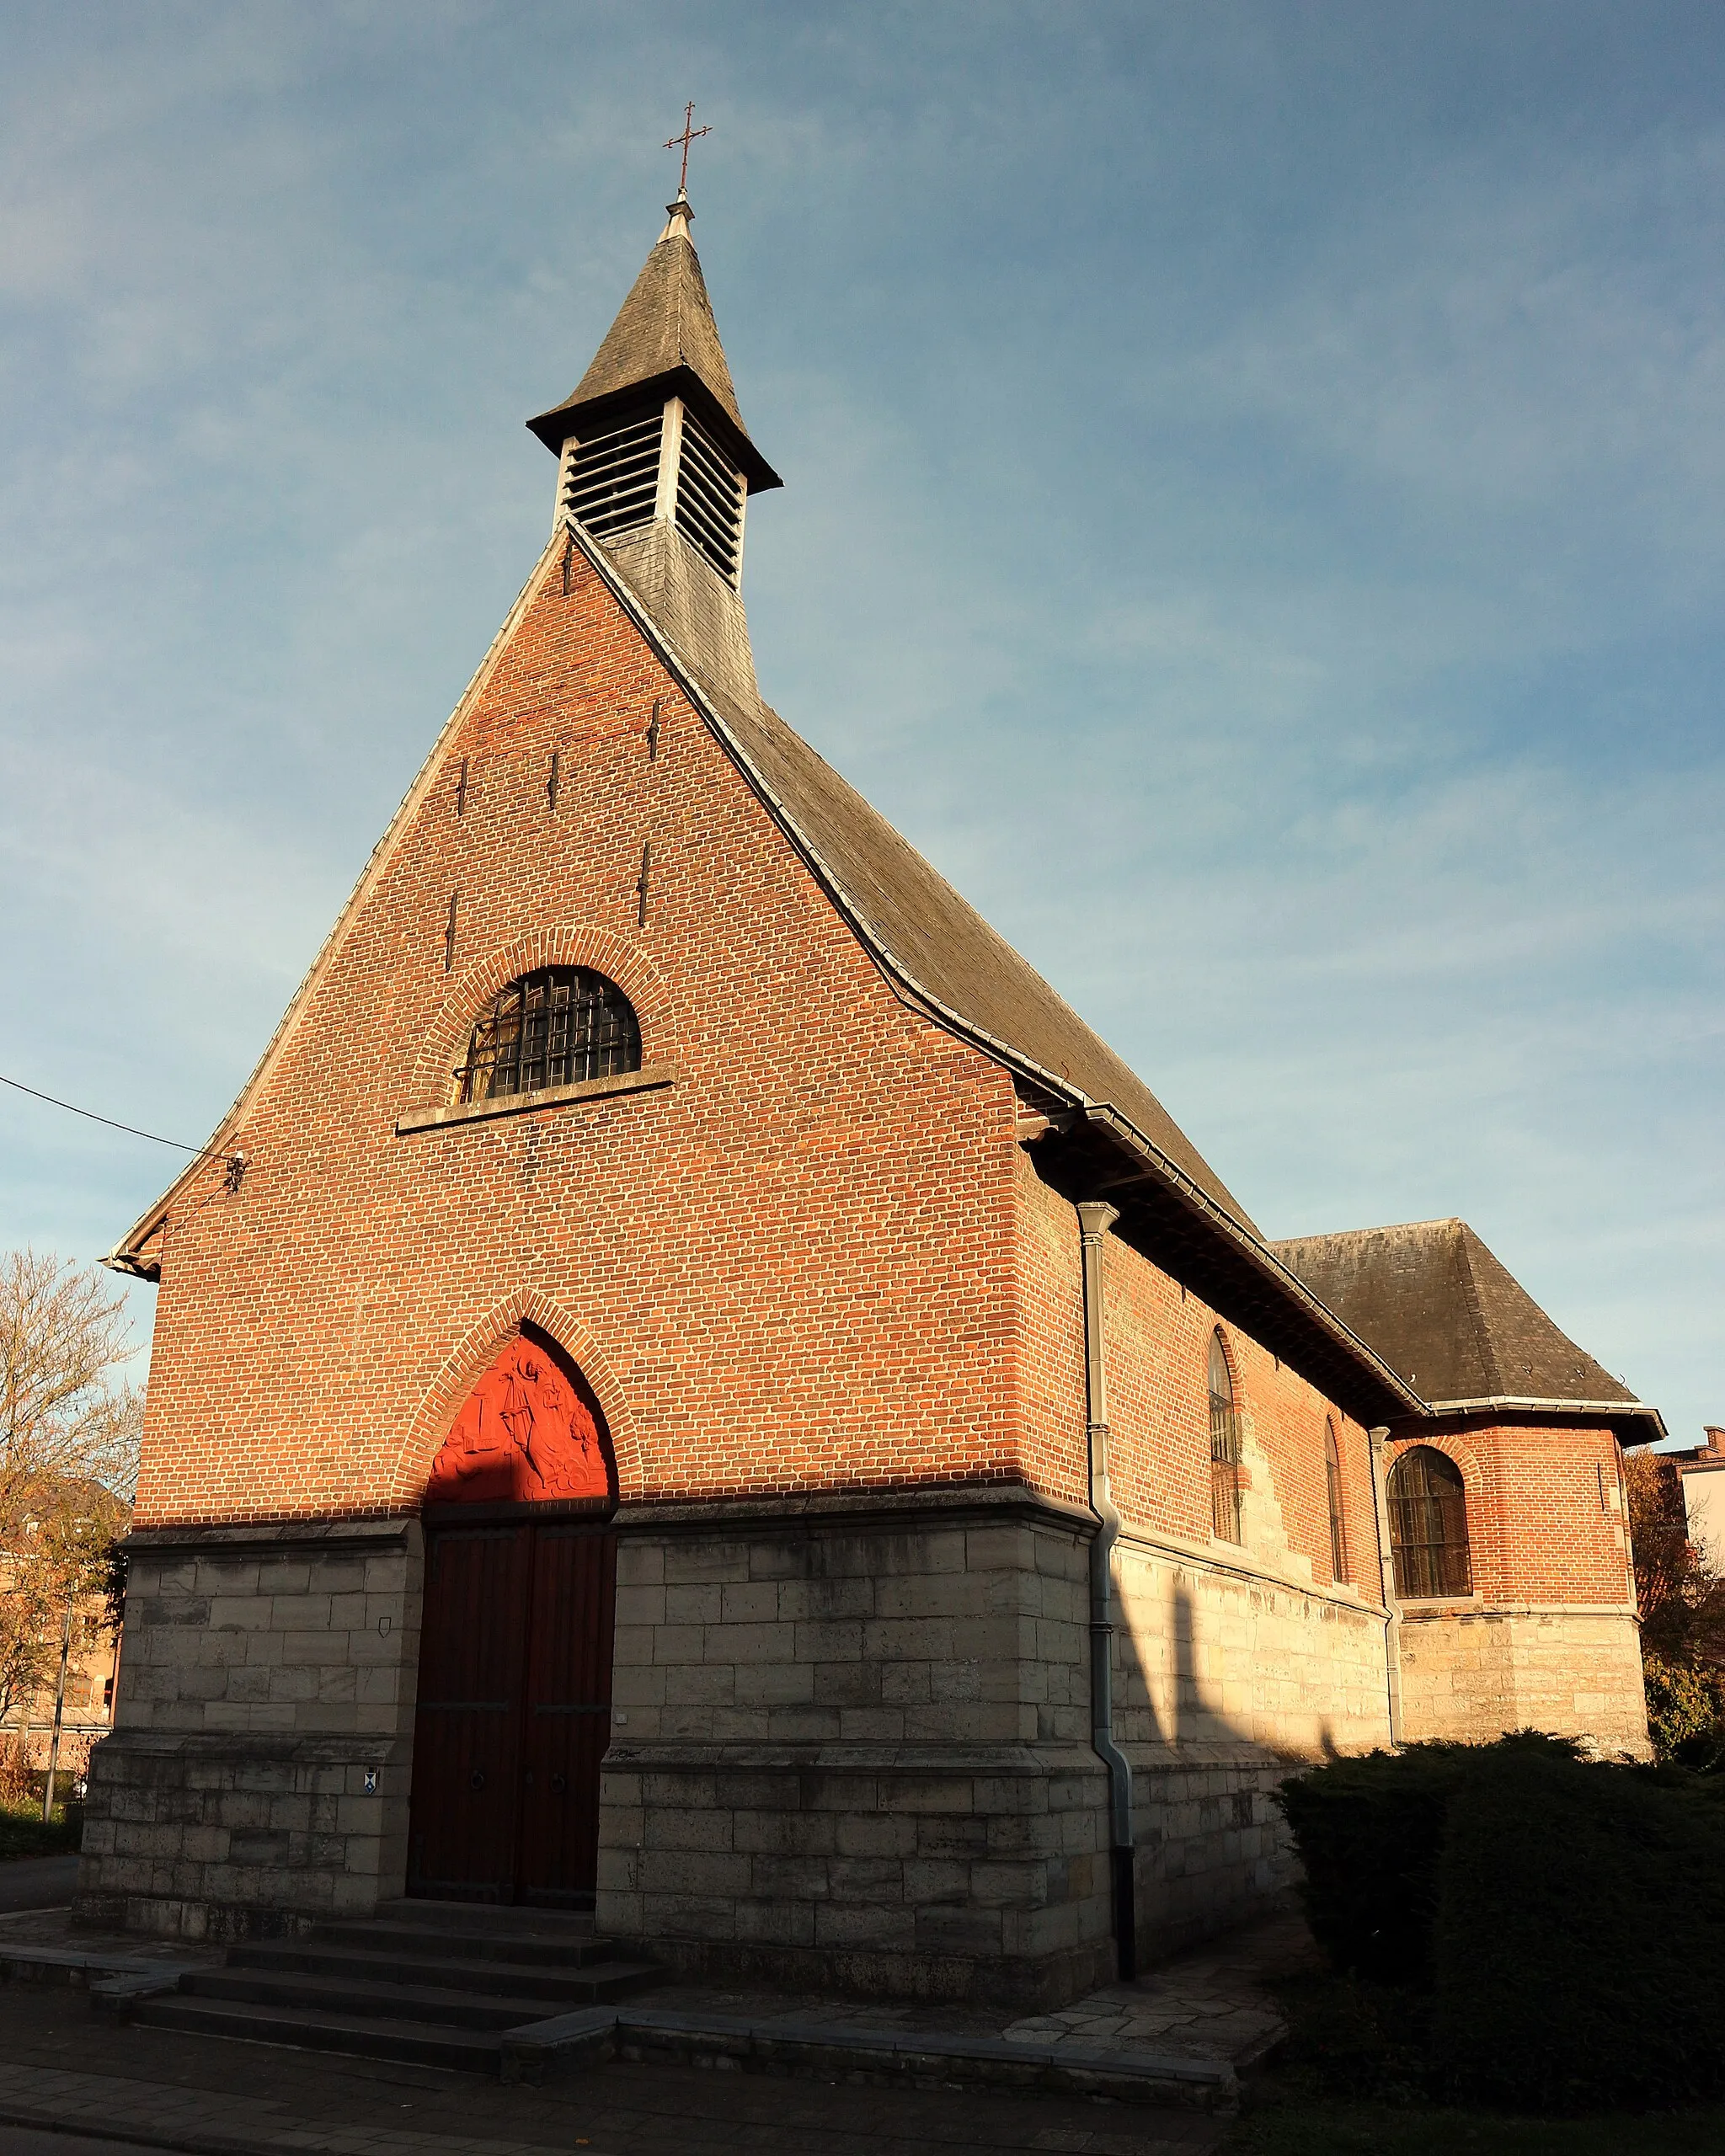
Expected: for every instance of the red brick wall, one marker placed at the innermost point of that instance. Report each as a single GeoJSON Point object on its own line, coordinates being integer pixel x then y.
{"type": "Point", "coordinates": [1158, 1380]}
{"type": "Point", "coordinates": [791, 1268]}
{"type": "Point", "coordinates": [1537, 1531]}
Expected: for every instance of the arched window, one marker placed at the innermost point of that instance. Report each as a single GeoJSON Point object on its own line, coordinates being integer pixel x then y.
{"type": "Point", "coordinates": [1428, 1525]}
{"type": "Point", "coordinates": [1332, 1485]}
{"type": "Point", "coordinates": [1223, 1445]}
{"type": "Point", "coordinates": [552, 1027]}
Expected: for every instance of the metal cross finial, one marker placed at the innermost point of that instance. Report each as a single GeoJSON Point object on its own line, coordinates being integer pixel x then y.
{"type": "Point", "coordinates": [690, 133]}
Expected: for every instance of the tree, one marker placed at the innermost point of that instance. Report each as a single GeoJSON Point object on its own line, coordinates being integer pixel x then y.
{"type": "Point", "coordinates": [70, 1425]}
{"type": "Point", "coordinates": [1682, 1600]}
{"type": "Point", "coordinates": [66, 1413]}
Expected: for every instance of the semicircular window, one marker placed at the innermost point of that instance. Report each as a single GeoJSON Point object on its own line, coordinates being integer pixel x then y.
{"type": "Point", "coordinates": [1428, 1525]}
{"type": "Point", "coordinates": [554, 1027]}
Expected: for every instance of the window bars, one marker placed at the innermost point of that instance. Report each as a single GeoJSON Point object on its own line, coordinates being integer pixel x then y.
{"type": "Point", "coordinates": [1224, 1447]}
{"type": "Point", "coordinates": [1428, 1526]}
{"type": "Point", "coordinates": [553, 1027]}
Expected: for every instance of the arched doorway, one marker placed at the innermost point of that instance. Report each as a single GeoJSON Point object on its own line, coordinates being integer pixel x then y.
{"type": "Point", "coordinates": [514, 1712]}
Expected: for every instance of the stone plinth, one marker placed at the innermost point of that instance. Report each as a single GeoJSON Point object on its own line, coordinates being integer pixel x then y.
{"type": "Point", "coordinates": [257, 1777]}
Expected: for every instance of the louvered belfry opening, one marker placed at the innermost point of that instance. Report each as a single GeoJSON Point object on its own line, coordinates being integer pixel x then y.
{"type": "Point", "coordinates": [610, 480]}
{"type": "Point", "coordinates": [709, 508]}
{"type": "Point", "coordinates": [555, 1026]}
{"type": "Point", "coordinates": [661, 462]}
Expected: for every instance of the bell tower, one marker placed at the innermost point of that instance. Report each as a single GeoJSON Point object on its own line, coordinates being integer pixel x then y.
{"type": "Point", "coordinates": [655, 465]}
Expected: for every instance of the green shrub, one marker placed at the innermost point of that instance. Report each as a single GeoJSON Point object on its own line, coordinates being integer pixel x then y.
{"type": "Point", "coordinates": [1580, 1932]}
{"type": "Point", "coordinates": [1368, 1832]}
{"type": "Point", "coordinates": [1685, 1718]}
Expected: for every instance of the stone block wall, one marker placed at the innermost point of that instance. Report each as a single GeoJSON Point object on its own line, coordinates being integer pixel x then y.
{"type": "Point", "coordinates": [851, 1749]}
{"type": "Point", "coordinates": [257, 1778]}
{"type": "Point", "coordinates": [1472, 1671]}
{"type": "Point", "coordinates": [1227, 1680]}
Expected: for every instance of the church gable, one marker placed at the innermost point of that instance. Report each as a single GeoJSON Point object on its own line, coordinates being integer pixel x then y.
{"type": "Point", "coordinates": [788, 1136]}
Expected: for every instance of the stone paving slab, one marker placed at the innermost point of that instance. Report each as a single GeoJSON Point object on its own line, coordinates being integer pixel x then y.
{"type": "Point", "coordinates": [1210, 2002]}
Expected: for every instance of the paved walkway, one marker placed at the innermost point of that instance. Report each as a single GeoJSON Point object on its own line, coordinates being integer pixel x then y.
{"type": "Point", "coordinates": [1209, 2003]}
{"type": "Point", "coordinates": [161, 2087]}
{"type": "Point", "coordinates": [60, 2066]}
{"type": "Point", "coordinates": [37, 1882]}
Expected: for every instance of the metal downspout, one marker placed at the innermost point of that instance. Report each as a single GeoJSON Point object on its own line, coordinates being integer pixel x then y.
{"type": "Point", "coordinates": [1094, 1221]}
{"type": "Point", "coordinates": [1387, 1568]}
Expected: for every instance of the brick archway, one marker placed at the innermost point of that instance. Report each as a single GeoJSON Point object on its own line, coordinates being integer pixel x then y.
{"type": "Point", "coordinates": [446, 1394]}
{"type": "Point", "coordinates": [569, 943]}
{"type": "Point", "coordinates": [530, 1431]}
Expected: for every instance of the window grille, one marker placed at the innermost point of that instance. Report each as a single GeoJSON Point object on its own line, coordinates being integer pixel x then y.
{"type": "Point", "coordinates": [1224, 1447]}
{"type": "Point", "coordinates": [1428, 1525]}
{"type": "Point", "coordinates": [553, 1027]}
{"type": "Point", "coordinates": [1332, 1484]}
{"type": "Point", "coordinates": [613, 481]}
{"type": "Point", "coordinates": [709, 508]}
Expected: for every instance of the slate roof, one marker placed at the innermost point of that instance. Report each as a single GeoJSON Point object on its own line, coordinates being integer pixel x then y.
{"type": "Point", "coordinates": [663, 336]}
{"type": "Point", "coordinates": [945, 945]}
{"type": "Point", "coordinates": [1446, 1317]}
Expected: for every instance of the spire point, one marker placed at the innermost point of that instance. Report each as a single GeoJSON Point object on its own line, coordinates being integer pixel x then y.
{"type": "Point", "coordinates": [678, 216]}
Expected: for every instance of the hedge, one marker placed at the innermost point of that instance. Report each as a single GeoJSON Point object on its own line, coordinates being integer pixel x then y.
{"type": "Point", "coordinates": [1559, 1925]}
{"type": "Point", "coordinates": [1580, 1938]}
{"type": "Point", "coordinates": [1368, 1832]}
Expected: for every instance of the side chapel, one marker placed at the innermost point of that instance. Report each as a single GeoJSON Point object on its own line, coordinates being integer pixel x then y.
{"type": "Point", "coordinates": [696, 1386]}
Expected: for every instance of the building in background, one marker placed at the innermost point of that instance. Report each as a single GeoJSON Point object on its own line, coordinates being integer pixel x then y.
{"type": "Point", "coordinates": [1700, 1470]}
{"type": "Point", "coordinates": [40, 1591]}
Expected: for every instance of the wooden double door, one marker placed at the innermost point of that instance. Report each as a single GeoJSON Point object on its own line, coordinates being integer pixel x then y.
{"type": "Point", "coordinates": [514, 1710]}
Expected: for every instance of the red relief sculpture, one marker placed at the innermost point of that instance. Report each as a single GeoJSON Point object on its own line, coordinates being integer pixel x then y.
{"type": "Point", "coordinates": [525, 1436]}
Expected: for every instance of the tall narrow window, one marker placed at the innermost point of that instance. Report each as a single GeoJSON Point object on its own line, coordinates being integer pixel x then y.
{"type": "Point", "coordinates": [1224, 1446]}
{"type": "Point", "coordinates": [1332, 1485]}
{"type": "Point", "coordinates": [1428, 1525]}
{"type": "Point", "coordinates": [553, 1027]}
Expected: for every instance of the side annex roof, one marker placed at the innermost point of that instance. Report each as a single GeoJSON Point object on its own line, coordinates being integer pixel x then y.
{"type": "Point", "coordinates": [1454, 1322]}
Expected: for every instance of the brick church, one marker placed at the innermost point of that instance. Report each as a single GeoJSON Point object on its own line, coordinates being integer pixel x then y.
{"type": "Point", "coordinates": [695, 1386]}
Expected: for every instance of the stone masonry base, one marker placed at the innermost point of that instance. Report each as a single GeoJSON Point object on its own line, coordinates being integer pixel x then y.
{"type": "Point", "coordinates": [257, 1776]}
{"type": "Point", "coordinates": [226, 1838]}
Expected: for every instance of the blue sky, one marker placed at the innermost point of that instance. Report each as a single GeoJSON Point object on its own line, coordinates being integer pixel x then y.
{"type": "Point", "coordinates": [1253, 516]}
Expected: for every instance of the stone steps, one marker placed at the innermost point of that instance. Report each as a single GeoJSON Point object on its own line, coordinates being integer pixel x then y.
{"type": "Point", "coordinates": [437, 1983]}
{"type": "Point", "coordinates": [597, 1976]}
{"type": "Point", "coordinates": [472, 2051]}
{"type": "Point", "coordinates": [459, 1943]}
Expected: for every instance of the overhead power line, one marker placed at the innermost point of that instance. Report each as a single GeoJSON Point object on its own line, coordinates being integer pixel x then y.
{"type": "Point", "coordinates": [200, 1152]}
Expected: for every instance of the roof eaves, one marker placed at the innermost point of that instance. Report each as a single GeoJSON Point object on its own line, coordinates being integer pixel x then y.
{"type": "Point", "coordinates": [1571, 1410]}
{"type": "Point", "coordinates": [554, 427]}
{"type": "Point", "coordinates": [1108, 1119]}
